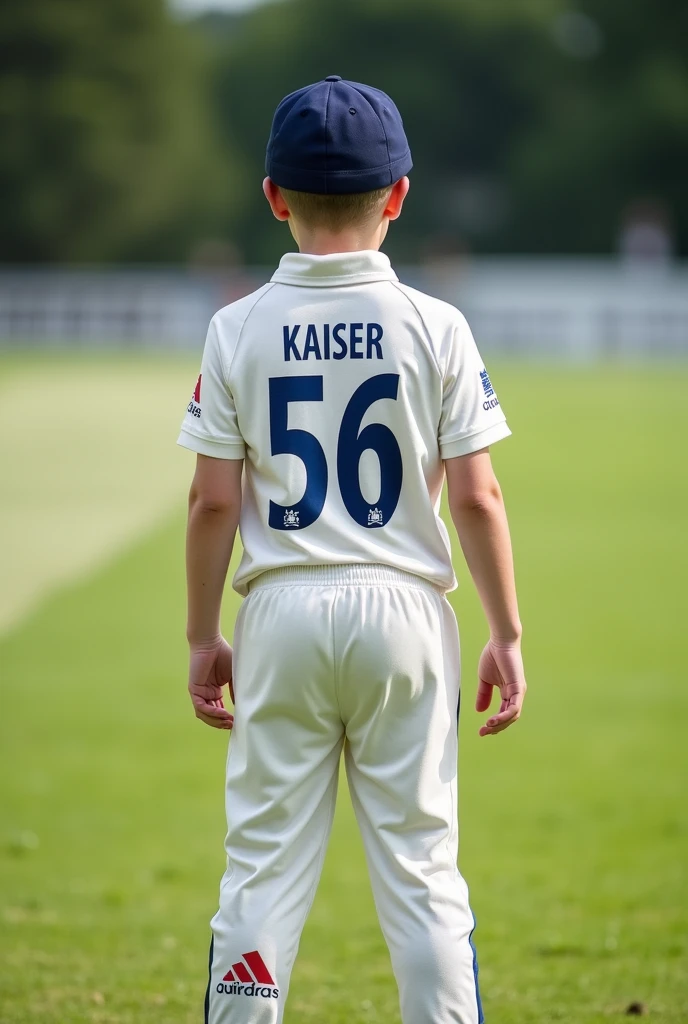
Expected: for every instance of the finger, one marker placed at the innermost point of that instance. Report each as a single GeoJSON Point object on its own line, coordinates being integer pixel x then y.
{"type": "Point", "coordinates": [215, 723]}
{"type": "Point", "coordinates": [483, 698]}
{"type": "Point", "coordinates": [501, 721]}
{"type": "Point", "coordinates": [209, 709]}
{"type": "Point", "coordinates": [487, 731]}
{"type": "Point", "coordinates": [217, 714]}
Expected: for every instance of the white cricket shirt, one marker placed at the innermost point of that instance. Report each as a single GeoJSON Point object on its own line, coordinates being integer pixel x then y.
{"type": "Point", "coordinates": [343, 390]}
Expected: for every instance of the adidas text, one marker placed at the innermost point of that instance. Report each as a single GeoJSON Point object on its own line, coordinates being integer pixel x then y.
{"type": "Point", "coordinates": [235, 989]}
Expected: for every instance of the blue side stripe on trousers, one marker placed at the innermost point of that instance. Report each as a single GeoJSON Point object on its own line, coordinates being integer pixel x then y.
{"type": "Point", "coordinates": [481, 1016]}
{"type": "Point", "coordinates": [206, 1005]}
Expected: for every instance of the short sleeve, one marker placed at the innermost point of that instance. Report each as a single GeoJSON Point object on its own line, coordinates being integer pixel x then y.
{"type": "Point", "coordinates": [472, 417]}
{"type": "Point", "coordinates": [210, 426]}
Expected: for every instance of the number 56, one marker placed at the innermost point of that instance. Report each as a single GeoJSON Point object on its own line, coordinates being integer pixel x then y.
{"type": "Point", "coordinates": [350, 447]}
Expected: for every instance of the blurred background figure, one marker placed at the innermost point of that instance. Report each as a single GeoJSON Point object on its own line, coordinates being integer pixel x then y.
{"type": "Point", "coordinates": [646, 235]}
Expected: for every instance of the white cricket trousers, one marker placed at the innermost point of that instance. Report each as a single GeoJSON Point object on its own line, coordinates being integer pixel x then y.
{"type": "Point", "coordinates": [362, 658]}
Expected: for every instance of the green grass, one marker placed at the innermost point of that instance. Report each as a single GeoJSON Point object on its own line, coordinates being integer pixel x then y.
{"type": "Point", "coordinates": [91, 428]}
{"type": "Point", "coordinates": [574, 824]}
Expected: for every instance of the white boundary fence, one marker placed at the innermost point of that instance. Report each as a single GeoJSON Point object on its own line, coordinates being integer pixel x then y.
{"type": "Point", "coordinates": [579, 310]}
{"type": "Point", "coordinates": [558, 308]}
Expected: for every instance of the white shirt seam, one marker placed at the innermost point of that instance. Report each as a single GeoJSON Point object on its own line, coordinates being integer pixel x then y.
{"type": "Point", "coordinates": [332, 280]}
{"type": "Point", "coordinates": [471, 433]}
{"type": "Point", "coordinates": [399, 287]}
{"type": "Point", "coordinates": [226, 372]}
{"type": "Point", "coordinates": [240, 443]}
{"type": "Point", "coordinates": [477, 436]}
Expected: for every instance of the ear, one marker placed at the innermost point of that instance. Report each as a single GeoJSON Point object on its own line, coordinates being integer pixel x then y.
{"type": "Point", "coordinates": [275, 199]}
{"type": "Point", "coordinates": [396, 198]}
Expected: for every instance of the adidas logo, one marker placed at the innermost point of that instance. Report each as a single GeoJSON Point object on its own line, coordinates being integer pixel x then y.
{"type": "Point", "coordinates": [249, 977]}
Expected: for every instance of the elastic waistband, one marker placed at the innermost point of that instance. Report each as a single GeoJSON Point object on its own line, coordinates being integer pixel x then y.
{"type": "Point", "coordinates": [366, 575]}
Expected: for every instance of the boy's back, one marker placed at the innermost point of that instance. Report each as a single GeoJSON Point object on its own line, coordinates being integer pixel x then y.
{"type": "Point", "coordinates": [330, 407]}
{"type": "Point", "coordinates": [345, 391]}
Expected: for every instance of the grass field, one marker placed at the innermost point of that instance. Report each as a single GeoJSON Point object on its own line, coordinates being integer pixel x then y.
{"type": "Point", "coordinates": [574, 824]}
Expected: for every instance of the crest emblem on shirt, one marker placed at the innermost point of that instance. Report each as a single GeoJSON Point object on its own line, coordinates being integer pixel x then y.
{"type": "Point", "coordinates": [375, 517]}
{"type": "Point", "coordinates": [291, 518]}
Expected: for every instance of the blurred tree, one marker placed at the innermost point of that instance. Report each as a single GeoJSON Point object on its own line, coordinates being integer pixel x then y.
{"type": "Point", "coordinates": [105, 152]}
{"type": "Point", "coordinates": [453, 69]}
{"type": "Point", "coordinates": [532, 122]}
{"type": "Point", "coordinates": [612, 127]}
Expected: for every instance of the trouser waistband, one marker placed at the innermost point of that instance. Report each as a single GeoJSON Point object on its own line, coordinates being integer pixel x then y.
{"type": "Point", "coordinates": [366, 575]}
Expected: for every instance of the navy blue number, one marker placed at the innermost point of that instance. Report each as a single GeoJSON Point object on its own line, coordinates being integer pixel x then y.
{"type": "Point", "coordinates": [350, 448]}
{"type": "Point", "coordinates": [301, 443]}
{"type": "Point", "coordinates": [382, 441]}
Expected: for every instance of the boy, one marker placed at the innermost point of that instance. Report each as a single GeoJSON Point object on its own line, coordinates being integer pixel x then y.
{"type": "Point", "coordinates": [345, 397]}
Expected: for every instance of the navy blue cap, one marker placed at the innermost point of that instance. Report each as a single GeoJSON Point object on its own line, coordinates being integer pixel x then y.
{"type": "Point", "coordinates": [337, 137]}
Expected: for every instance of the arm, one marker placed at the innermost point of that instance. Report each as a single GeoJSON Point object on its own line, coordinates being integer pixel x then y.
{"type": "Point", "coordinates": [477, 510]}
{"type": "Point", "coordinates": [214, 507]}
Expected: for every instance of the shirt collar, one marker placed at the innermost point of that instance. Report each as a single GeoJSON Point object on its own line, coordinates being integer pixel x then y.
{"type": "Point", "coordinates": [335, 269]}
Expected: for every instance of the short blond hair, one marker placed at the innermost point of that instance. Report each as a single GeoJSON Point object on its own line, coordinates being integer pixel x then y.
{"type": "Point", "coordinates": [336, 212]}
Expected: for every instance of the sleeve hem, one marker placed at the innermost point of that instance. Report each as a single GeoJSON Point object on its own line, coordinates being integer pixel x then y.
{"type": "Point", "coordinates": [474, 442]}
{"type": "Point", "coordinates": [214, 449]}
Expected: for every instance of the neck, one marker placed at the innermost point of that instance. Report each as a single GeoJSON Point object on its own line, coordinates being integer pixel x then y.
{"type": "Point", "coordinates": [320, 242]}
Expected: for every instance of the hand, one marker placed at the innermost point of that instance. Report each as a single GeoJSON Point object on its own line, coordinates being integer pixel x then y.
{"type": "Point", "coordinates": [501, 666]}
{"type": "Point", "coordinates": [210, 668]}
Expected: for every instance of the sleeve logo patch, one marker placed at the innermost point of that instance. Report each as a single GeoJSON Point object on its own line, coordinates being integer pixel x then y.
{"type": "Point", "coordinates": [491, 400]}
{"type": "Point", "coordinates": [194, 406]}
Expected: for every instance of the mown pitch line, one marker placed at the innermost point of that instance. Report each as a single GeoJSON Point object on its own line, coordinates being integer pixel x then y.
{"type": "Point", "coordinates": [88, 462]}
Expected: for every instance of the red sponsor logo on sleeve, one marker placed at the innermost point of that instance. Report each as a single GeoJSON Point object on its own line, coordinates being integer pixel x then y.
{"type": "Point", "coordinates": [194, 406]}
